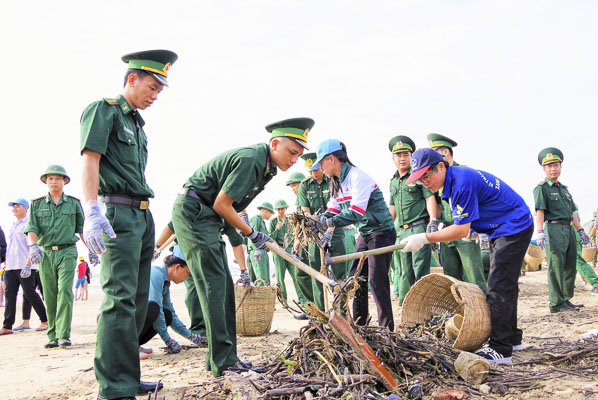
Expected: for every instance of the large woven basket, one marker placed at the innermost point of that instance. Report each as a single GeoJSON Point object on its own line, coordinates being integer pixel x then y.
{"type": "Point", "coordinates": [436, 295]}
{"type": "Point", "coordinates": [533, 258]}
{"type": "Point", "coordinates": [588, 253]}
{"type": "Point", "coordinates": [255, 309]}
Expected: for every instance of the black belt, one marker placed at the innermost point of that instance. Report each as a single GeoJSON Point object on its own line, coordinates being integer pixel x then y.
{"type": "Point", "coordinates": [190, 193]}
{"type": "Point", "coordinates": [414, 223]}
{"type": "Point", "coordinates": [560, 222]}
{"type": "Point", "coordinates": [58, 247]}
{"type": "Point", "coordinates": [127, 201]}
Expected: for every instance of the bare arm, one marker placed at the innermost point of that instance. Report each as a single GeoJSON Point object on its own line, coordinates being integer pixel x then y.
{"type": "Point", "coordinates": [393, 212]}
{"type": "Point", "coordinates": [432, 207]}
{"type": "Point", "coordinates": [91, 175]}
{"type": "Point", "coordinates": [576, 222]}
{"type": "Point", "coordinates": [31, 238]}
{"type": "Point", "coordinates": [164, 235]}
{"type": "Point", "coordinates": [223, 206]}
{"type": "Point", "coordinates": [239, 254]}
{"type": "Point", "coordinates": [540, 220]}
{"type": "Point", "coordinates": [449, 233]}
{"type": "Point", "coordinates": [593, 231]}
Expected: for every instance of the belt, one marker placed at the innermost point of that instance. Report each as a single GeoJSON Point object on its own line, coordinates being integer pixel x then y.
{"type": "Point", "coordinates": [58, 247]}
{"type": "Point", "coordinates": [414, 223]}
{"type": "Point", "coordinates": [189, 192]}
{"type": "Point", "coordinates": [127, 201]}
{"type": "Point", "coordinates": [560, 222]}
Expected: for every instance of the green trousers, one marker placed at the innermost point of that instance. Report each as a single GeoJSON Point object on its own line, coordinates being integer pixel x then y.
{"type": "Point", "coordinates": [56, 272]}
{"type": "Point", "coordinates": [258, 269]}
{"type": "Point", "coordinates": [282, 266]}
{"type": "Point", "coordinates": [339, 270]}
{"type": "Point", "coordinates": [584, 268]}
{"type": "Point", "coordinates": [198, 324]}
{"type": "Point", "coordinates": [125, 280]}
{"type": "Point", "coordinates": [198, 233]}
{"type": "Point", "coordinates": [303, 281]}
{"type": "Point", "coordinates": [462, 259]}
{"type": "Point", "coordinates": [349, 245]}
{"type": "Point", "coordinates": [413, 265]}
{"type": "Point", "coordinates": [395, 265]}
{"type": "Point", "coordinates": [561, 254]}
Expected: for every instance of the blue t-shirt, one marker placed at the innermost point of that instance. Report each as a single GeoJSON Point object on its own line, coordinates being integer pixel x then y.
{"type": "Point", "coordinates": [488, 203]}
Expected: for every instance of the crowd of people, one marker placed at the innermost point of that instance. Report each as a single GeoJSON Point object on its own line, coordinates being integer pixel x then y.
{"type": "Point", "coordinates": [437, 211]}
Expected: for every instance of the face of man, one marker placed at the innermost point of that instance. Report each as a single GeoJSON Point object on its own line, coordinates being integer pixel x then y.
{"type": "Point", "coordinates": [19, 211]}
{"type": "Point", "coordinates": [402, 161]}
{"type": "Point", "coordinates": [55, 183]}
{"type": "Point", "coordinates": [434, 180]}
{"type": "Point", "coordinates": [295, 187]}
{"type": "Point", "coordinates": [281, 212]}
{"type": "Point", "coordinates": [179, 273]}
{"type": "Point", "coordinates": [317, 174]}
{"type": "Point", "coordinates": [141, 93]}
{"type": "Point", "coordinates": [552, 171]}
{"type": "Point", "coordinates": [285, 152]}
{"type": "Point", "coordinates": [266, 214]}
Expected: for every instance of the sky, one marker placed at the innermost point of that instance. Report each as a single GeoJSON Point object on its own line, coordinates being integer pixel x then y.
{"type": "Point", "coordinates": [504, 79]}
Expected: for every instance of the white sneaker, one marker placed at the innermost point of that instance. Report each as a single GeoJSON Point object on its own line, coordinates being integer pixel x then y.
{"type": "Point", "coordinates": [494, 357]}
{"type": "Point", "coordinates": [521, 347]}
{"type": "Point", "coordinates": [595, 291]}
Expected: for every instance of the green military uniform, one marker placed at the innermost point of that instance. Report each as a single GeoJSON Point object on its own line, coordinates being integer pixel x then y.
{"type": "Point", "coordinates": [561, 249]}
{"type": "Point", "coordinates": [582, 266]}
{"type": "Point", "coordinates": [56, 225]}
{"type": "Point", "coordinates": [113, 129]}
{"type": "Point", "coordinates": [282, 236]}
{"type": "Point", "coordinates": [349, 242]}
{"type": "Point", "coordinates": [242, 174]}
{"type": "Point", "coordinates": [315, 196]}
{"type": "Point", "coordinates": [257, 260]}
{"type": "Point", "coordinates": [411, 218]}
{"type": "Point", "coordinates": [461, 259]}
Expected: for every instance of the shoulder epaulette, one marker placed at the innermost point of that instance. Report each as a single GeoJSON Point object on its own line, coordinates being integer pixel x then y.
{"type": "Point", "coordinates": [306, 179]}
{"type": "Point", "coordinates": [112, 102]}
{"type": "Point", "coordinates": [38, 198]}
{"type": "Point", "coordinates": [541, 183]}
{"type": "Point", "coordinates": [73, 197]}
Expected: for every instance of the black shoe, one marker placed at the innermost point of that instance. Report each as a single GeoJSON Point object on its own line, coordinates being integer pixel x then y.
{"type": "Point", "coordinates": [64, 343]}
{"type": "Point", "coordinates": [100, 397]}
{"type": "Point", "coordinates": [51, 344]}
{"type": "Point", "coordinates": [241, 366]}
{"type": "Point", "coordinates": [146, 387]}
{"type": "Point", "coordinates": [565, 307]}
{"type": "Point", "coordinates": [300, 316]}
{"type": "Point", "coordinates": [573, 305]}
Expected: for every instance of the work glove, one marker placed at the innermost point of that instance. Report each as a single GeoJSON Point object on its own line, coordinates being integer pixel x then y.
{"type": "Point", "coordinates": [327, 222]}
{"type": "Point", "coordinates": [541, 239]}
{"type": "Point", "coordinates": [259, 239]}
{"type": "Point", "coordinates": [414, 242]}
{"type": "Point", "coordinates": [244, 278]}
{"type": "Point", "coordinates": [156, 253]}
{"type": "Point", "coordinates": [585, 239]}
{"type": "Point", "coordinates": [95, 223]}
{"type": "Point", "coordinates": [258, 255]}
{"type": "Point", "coordinates": [35, 254]}
{"type": "Point", "coordinates": [472, 235]}
{"type": "Point", "coordinates": [26, 272]}
{"type": "Point", "coordinates": [433, 227]}
{"type": "Point", "coordinates": [245, 219]}
{"type": "Point", "coordinates": [296, 256]}
{"type": "Point", "coordinates": [172, 346]}
{"type": "Point", "coordinates": [199, 339]}
{"type": "Point", "coordinates": [93, 258]}
{"type": "Point", "coordinates": [326, 240]}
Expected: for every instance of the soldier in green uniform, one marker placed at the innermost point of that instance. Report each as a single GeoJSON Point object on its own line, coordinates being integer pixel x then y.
{"type": "Point", "coordinates": [114, 149]}
{"type": "Point", "coordinates": [314, 193]}
{"type": "Point", "coordinates": [583, 267]}
{"type": "Point", "coordinates": [53, 222]}
{"type": "Point", "coordinates": [294, 181]}
{"type": "Point", "coordinates": [461, 259]}
{"type": "Point", "coordinates": [257, 260]}
{"type": "Point", "coordinates": [213, 195]}
{"type": "Point", "coordinates": [412, 207]}
{"type": "Point", "coordinates": [555, 222]}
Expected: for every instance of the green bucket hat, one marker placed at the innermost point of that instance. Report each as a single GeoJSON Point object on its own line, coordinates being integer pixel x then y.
{"type": "Point", "coordinates": [55, 170]}
{"type": "Point", "coordinates": [266, 205]}
{"type": "Point", "coordinates": [399, 144]}
{"type": "Point", "coordinates": [550, 155]}
{"type": "Point", "coordinates": [155, 62]}
{"type": "Point", "coordinates": [280, 204]}
{"type": "Point", "coordinates": [295, 177]}
{"type": "Point", "coordinates": [437, 140]}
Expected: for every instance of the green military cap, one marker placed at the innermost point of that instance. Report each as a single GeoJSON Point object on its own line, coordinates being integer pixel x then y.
{"type": "Point", "coordinates": [310, 159]}
{"type": "Point", "coordinates": [399, 144]}
{"type": "Point", "coordinates": [295, 177]}
{"type": "Point", "coordinates": [280, 204]}
{"type": "Point", "coordinates": [55, 170]}
{"type": "Point", "coordinates": [266, 205]}
{"type": "Point", "coordinates": [293, 128]}
{"type": "Point", "coordinates": [438, 140]}
{"type": "Point", "coordinates": [156, 62]}
{"type": "Point", "coordinates": [550, 155]}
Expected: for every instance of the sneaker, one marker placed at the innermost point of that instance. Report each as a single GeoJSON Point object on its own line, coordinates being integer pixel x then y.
{"type": "Point", "coordinates": [146, 350]}
{"type": "Point", "coordinates": [5, 331]}
{"type": "Point", "coordinates": [52, 344]}
{"type": "Point", "coordinates": [595, 291]}
{"type": "Point", "coordinates": [143, 356]}
{"type": "Point", "coordinates": [521, 347]}
{"type": "Point", "coordinates": [43, 327]}
{"type": "Point", "coordinates": [493, 356]}
{"type": "Point", "coordinates": [573, 305]}
{"type": "Point", "coordinates": [64, 343]}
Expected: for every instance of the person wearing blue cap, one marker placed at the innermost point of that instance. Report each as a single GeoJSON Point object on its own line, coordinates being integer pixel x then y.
{"type": "Point", "coordinates": [160, 310]}
{"type": "Point", "coordinates": [356, 199]}
{"type": "Point", "coordinates": [482, 202]}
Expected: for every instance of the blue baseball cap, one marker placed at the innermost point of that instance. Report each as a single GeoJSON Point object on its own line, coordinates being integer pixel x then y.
{"type": "Point", "coordinates": [327, 147]}
{"type": "Point", "coordinates": [421, 161]}
{"type": "Point", "coordinates": [176, 251]}
{"type": "Point", "coordinates": [20, 201]}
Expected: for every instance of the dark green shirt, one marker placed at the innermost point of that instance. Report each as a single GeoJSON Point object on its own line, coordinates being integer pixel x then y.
{"type": "Point", "coordinates": [110, 127]}
{"type": "Point", "coordinates": [314, 195]}
{"type": "Point", "coordinates": [240, 173]}
{"type": "Point", "coordinates": [279, 235]}
{"type": "Point", "coordinates": [55, 224]}
{"type": "Point", "coordinates": [409, 200]}
{"type": "Point", "coordinates": [555, 200]}
{"type": "Point", "coordinates": [257, 223]}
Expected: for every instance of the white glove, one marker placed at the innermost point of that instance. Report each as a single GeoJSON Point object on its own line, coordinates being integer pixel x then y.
{"type": "Point", "coordinates": [26, 272]}
{"type": "Point", "coordinates": [199, 339]}
{"type": "Point", "coordinates": [472, 235]}
{"type": "Point", "coordinates": [258, 255]}
{"type": "Point", "coordinates": [93, 258]}
{"type": "Point", "coordinates": [95, 223]}
{"type": "Point", "coordinates": [414, 242]}
{"type": "Point", "coordinates": [35, 253]}
{"type": "Point", "coordinates": [585, 239]}
{"type": "Point", "coordinates": [541, 239]}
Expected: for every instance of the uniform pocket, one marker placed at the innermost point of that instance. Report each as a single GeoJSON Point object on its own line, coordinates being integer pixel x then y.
{"type": "Point", "coordinates": [127, 146]}
{"type": "Point", "coordinates": [44, 217]}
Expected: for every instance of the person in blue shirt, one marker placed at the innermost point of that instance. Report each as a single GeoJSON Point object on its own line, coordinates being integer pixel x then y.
{"type": "Point", "coordinates": [483, 203]}
{"type": "Point", "coordinates": [160, 311]}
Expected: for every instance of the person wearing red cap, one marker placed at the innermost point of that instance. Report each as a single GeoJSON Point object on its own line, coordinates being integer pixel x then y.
{"type": "Point", "coordinates": [485, 204]}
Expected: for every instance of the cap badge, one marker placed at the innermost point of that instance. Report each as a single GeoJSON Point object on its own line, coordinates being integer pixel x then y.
{"type": "Point", "coordinates": [413, 162]}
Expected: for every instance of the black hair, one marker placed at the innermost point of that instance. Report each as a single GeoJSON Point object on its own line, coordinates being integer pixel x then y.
{"type": "Point", "coordinates": [171, 260]}
{"type": "Point", "coordinates": [434, 167]}
{"type": "Point", "coordinates": [138, 72]}
{"type": "Point", "coordinates": [341, 155]}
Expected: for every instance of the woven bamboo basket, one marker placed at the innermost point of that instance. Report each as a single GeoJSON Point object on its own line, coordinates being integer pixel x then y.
{"type": "Point", "coordinates": [588, 253]}
{"type": "Point", "coordinates": [435, 295]}
{"type": "Point", "coordinates": [255, 309]}
{"type": "Point", "coordinates": [436, 270]}
{"type": "Point", "coordinates": [533, 258]}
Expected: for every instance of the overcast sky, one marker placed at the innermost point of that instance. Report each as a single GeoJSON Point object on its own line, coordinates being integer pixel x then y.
{"type": "Point", "coordinates": [502, 78]}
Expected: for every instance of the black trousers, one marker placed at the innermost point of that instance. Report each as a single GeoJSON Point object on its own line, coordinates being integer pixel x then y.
{"type": "Point", "coordinates": [506, 257]}
{"type": "Point", "coordinates": [148, 332]}
{"type": "Point", "coordinates": [38, 285]}
{"type": "Point", "coordinates": [13, 281]}
{"type": "Point", "coordinates": [375, 269]}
